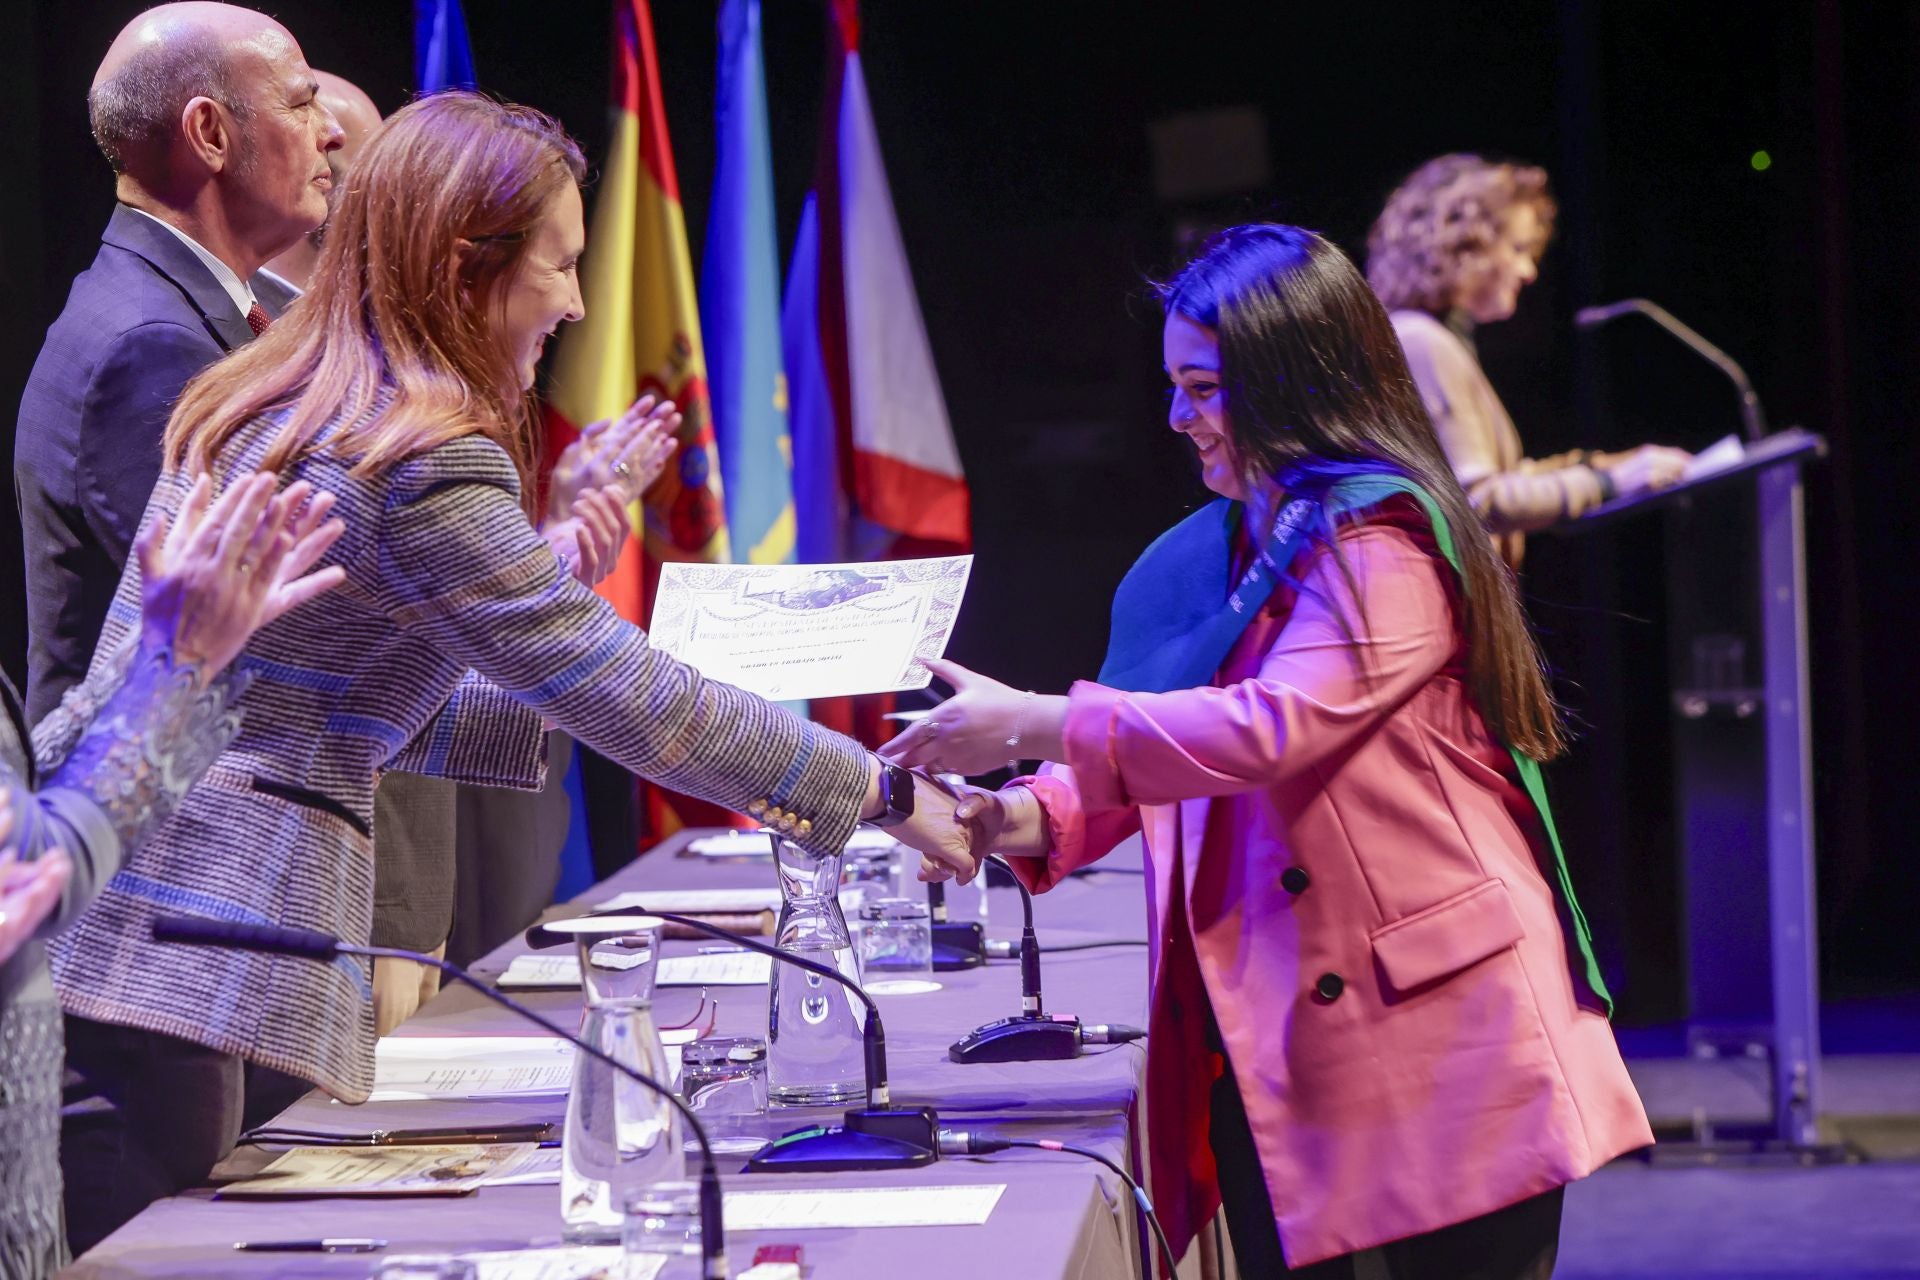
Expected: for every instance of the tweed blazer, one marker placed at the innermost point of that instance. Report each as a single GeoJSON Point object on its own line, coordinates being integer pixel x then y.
{"type": "Point", "coordinates": [138, 324]}
{"type": "Point", "coordinates": [456, 629]}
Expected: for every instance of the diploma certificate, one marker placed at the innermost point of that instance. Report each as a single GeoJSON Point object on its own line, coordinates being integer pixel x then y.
{"type": "Point", "coordinates": [811, 630]}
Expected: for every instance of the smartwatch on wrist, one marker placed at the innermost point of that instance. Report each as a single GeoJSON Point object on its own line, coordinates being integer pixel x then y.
{"type": "Point", "coordinates": [896, 796]}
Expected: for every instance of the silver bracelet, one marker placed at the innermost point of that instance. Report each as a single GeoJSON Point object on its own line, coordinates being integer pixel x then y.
{"type": "Point", "coordinates": [1019, 727]}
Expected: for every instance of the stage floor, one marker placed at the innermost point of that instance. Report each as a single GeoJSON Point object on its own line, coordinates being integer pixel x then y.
{"type": "Point", "coordinates": [1636, 1220]}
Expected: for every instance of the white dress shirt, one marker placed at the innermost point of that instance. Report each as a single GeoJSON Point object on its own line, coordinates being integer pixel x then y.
{"type": "Point", "coordinates": [237, 289]}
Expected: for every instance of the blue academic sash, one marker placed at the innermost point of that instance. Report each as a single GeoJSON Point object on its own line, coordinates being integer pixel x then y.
{"type": "Point", "coordinates": [1176, 617]}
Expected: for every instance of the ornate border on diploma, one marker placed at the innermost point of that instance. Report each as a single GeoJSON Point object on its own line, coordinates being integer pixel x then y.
{"type": "Point", "coordinates": [948, 576]}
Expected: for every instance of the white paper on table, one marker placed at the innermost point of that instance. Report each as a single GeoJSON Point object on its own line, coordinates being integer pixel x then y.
{"type": "Point", "coordinates": [754, 844]}
{"type": "Point", "coordinates": [1725, 452]}
{"type": "Point", "coordinates": [732, 844]}
{"type": "Point", "coordinates": [417, 1068]}
{"type": "Point", "coordinates": [842, 1207]}
{"type": "Point", "coordinates": [696, 902]}
{"type": "Point", "coordinates": [411, 1068]}
{"type": "Point", "coordinates": [811, 630]}
{"type": "Point", "coordinates": [719, 969]}
{"type": "Point", "coordinates": [539, 1168]}
{"type": "Point", "coordinates": [820, 1207]}
{"type": "Point", "coordinates": [576, 1262]}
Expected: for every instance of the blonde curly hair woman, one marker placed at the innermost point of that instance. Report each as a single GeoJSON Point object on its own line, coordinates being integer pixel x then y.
{"type": "Point", "coordinates": [1455, 245]}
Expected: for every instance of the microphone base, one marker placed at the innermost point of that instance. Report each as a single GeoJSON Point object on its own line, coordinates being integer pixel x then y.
{"type": "Point", "coordinates": [871, 1138]}
{"type": "Point", "coordinates": [1021, 1039]}
{"type": "Point", "coordinates": [958, 944]}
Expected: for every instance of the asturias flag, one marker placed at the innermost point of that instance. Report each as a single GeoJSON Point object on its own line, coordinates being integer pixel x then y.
{"type": "Point", "coordinates": [442, 58]}
{"type": "Point", "coordinates": [740, 304]}
{"type": "Point", "coordinates": [876, 473]}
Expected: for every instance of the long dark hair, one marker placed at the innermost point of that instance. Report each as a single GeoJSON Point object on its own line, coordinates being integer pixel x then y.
{"type": "Point", "coordinates": [1315, 383]}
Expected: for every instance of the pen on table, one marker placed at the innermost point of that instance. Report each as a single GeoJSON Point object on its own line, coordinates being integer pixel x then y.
{"type": "Point", "coordinates": [331, 1245]}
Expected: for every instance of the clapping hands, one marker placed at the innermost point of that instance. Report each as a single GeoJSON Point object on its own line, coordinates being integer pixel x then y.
{"type": "Point", "coordinates": [599, 477]}
{"type": "Point", "coordinates": [222, 568]}
{"type": "Point", "coordinates": [620, 456]}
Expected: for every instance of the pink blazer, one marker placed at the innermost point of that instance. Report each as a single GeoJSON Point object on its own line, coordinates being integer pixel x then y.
{"type": "Point", "coordinates": [1342, 862]}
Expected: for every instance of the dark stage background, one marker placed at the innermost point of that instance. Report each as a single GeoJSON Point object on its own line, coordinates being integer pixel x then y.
{"type": "Point", "coordinates": [1021, 144]}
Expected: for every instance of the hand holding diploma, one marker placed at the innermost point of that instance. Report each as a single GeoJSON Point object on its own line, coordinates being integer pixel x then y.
{"type": "Point", "coordinates": [984, 725]}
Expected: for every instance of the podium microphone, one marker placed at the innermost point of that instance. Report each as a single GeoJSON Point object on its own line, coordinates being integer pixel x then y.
{"type": "Point", "coordinates": [1753, 421]}
{"type": "Point", "coordinates": [310, 944]}
{"type": "Point", "coordinates": [1032, 1036]}
{"type": "Point", "coordinates": [876, 1136]}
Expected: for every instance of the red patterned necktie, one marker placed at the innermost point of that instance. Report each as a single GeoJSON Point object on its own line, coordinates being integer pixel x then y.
{"type": "Point", "coordinates": [258, 319]}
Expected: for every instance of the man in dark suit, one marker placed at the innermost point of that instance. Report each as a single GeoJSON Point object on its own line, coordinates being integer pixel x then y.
{"type": "Point", "coordinates": [208, 115]}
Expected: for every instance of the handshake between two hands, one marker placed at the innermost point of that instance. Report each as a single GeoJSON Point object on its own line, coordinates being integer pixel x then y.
{"type": "Point", "coordinates": [954, 826]}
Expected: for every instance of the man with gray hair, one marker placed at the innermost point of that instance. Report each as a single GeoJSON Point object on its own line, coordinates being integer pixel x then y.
{"type": "Point", "coordinates": [209, 117]}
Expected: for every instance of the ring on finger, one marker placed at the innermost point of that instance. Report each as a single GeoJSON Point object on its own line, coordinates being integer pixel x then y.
{"type": "Point", "coordinates": [622, 470]}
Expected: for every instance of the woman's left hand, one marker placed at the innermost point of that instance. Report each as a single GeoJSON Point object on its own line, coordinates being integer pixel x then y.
{"type": "Point", "coordinates": [969, 733]}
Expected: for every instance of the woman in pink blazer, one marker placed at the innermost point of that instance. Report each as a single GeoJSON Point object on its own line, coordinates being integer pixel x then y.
{"type": "Point", "coordinates": [1376, 1026]}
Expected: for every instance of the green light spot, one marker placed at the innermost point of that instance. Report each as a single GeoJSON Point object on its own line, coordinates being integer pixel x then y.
{"type": "Point", "coordinates": [1761, 162]}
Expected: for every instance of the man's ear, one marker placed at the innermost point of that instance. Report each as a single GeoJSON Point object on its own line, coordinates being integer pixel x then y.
{"type": "Point", "coordinates": [208, 129]}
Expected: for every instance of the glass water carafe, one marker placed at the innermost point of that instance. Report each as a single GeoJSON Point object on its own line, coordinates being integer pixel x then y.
{"type": "Point", "coordinates": [620, 1135]}
{"type": "Point", "coordinates": [814, 1055]}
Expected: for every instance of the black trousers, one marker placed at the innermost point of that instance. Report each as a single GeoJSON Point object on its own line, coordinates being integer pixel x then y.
{"type": "Point", "coordinates": [148, 1116]}
{"type": "Point", "coordinates": [1519, 1242]}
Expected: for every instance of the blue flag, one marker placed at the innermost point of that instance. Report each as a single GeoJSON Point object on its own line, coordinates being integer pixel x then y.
{"type": "Point", "coordinates": [740, 305]}
{"type": "Point", "coordinates": [442, 58]}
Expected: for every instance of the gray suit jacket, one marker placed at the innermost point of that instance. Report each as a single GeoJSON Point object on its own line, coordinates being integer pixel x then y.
{"type": "Point", "coordinates": [138, 325]}
{"type": "Point", "coordinates": [456, 629]}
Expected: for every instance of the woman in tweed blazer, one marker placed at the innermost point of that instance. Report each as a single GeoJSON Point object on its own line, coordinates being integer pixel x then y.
{"type": "Point", "coordinates": [398, 384]}
{"type": "Point", "coordinates": [66, 824]}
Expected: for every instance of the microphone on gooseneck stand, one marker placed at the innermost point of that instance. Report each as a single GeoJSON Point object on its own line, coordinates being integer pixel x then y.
{"type": "Point", "coordinates": [1033, 1036]}
{"type": "Point", "coordinates": [309, 944]}
{"type": "Point", "coordinates": [876, 1136]}
{"type": "Point", "coordinates": [1753, 420]}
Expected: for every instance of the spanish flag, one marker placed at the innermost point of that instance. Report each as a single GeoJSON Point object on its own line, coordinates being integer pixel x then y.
{"type": "Point", "coordinates": [642, 334]}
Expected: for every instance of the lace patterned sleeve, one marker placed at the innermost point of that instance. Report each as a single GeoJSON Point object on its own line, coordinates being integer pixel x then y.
{"type": "Point", "coordinates": [149, 740]}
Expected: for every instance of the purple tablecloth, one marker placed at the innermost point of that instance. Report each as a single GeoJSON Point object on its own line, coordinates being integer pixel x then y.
{"type": "Point", "coordinates": [1060, 1216]}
